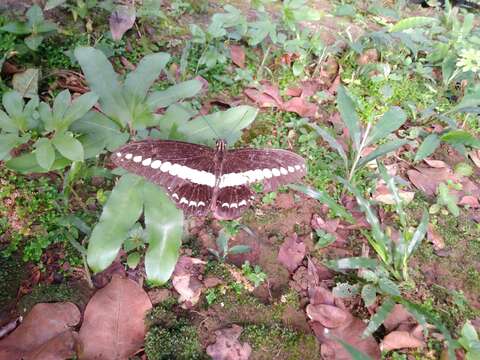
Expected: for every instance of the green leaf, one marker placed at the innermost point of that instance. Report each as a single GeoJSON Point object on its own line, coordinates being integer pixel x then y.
{"type": "Point", "coordinates": [44, 153]}
{"type": "Point", "coordinates": [26, 83]}
{"type": "Point", "coordinates": [470, 100]}
{"type": "Point", "coordinates": [198, 35]}
{"type": "Point", "coordinates": [68, 146]}
{"type": "Point", "coordinates": [239, 249]}
{"type": "Point", "coordinates": [354, 352]}
{"type": "Point", "coordinates": [226, 125]}
{"type": "Point", "coordinates": [104, 82]}
{"type": "Point", "coordinates": [33, 41]}
{"type": "Point", "coordinates": [34, 15]}
{"type": "Point", "coordinates": [418, 235]}
{"type": "Point", "coordinates": [456, 137]}
{"type": "Point", "coordinates": [353, 263]}
{"type": "Point", "coordinates": [346, 107]}
{"type": "Point", "coordinates": [27, 164]}
{"type": "Point", "coordinates": [369, 294]}
{"type": "Point", "coordinates": [80, 106]}
{"type": "Point", "coordinates": [412, 22]}
{"type": "Point", "coordinates": [142, 78]}
{"type": "Point", "coordinates": [13, 103]}
{"type": "Point", "coordinates": [164, 228]}
{"type": "Point", "coordinates": [331, 141]}
{"type": "Point", "coordinates": [469, 332]}
{"type": "Point", "coordinates": [379, 317]}
{"type": "Point", "coordinates": [133, 259]}
{"type": "Point", "coordinates": [429, 145]}
{"type": "Point", "coordinates": [345, 290]}
{"type": "Point", "coordinates": [324, 198]}
{"type": "Point", "coordinates": [388, 123]}
{"type": "Point", "coordinates": [388, 286]}
{"type": "Point", "coordinates": [61, 103]}
{"type": "Point", "coordinates": [449, 65]}
{"type": "Point", "coordinates": [119, 214]}
{"type": "Point", "coordinates": [447, 199]}
{"type": "Point", "coordinates": [183, 90]}
{"type": "Point", "coordinates": [382, 150]}
{"type": "Point", "coordinates": [7, 143]}
{"type": "Point", "coordinates": [390, 182]}
{"type": "Point", "coordinates": [17, 27]}
{"type": "Point", "coordinates": [7, 124]}
{"type": "Point", "coordinates": [51, 4]}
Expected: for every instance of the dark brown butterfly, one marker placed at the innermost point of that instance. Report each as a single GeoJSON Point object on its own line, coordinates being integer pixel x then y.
{"type": "Point", "coordinates": [199, 179]}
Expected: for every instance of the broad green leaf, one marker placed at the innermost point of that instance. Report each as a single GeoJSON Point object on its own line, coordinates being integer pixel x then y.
{"type": "Point", "coordinates": [61, 103]}
{"type": "Point", "coordinates": [462, 137]}
{"type": "Point", "coordinates": [34, 15]}
{"type": "Point", "coordinates": [376, 320]}
{"type": "Point", "coordinates": [46, 26]}
{"type": "Point", "coordinates": [447, 199]}
{"type": "Point", "coordinates": [369, 294]}
{"type": "Point", "coordinates": [382, 150]}
{"type": "Point", "coordinates": [46, 116]}
{"type": "Point", "coordinates": [13, 104]}
{"type": "Point", "coordinates": [7, 143]}
{"type": "Point", "coordinates": [449, 65]}
{"type": "Point", "coordinates": [51, 4]}
{"type": "Point", "coordinates": [345, 290]}
{"type": "Point", "coordinates": [142, 78]}
{"type": "Point", "coordinates": [346, 107]}
{"type": "Point", "coordinates": [183, 90]}
{"type": "Point", "coordinates": [388, 286]}
{"type": "Point", "coordinates": [332, 142]}
{"type": "Point", "coordinates": [80, 106]}
{"type": "Point", "coordinates": [239, 249]}
{"type": "Point", "coordinates": [388, 123]}
{"type": "Point", "coordinates": [324, 198]}
{"type": "Point", "coordinates": [469, 332]}
{"type": "Point", "coordinates": [429, 145]}
{"type": "Point", "coordinates": [68, 146]}
{"type": "Point", "coordinates": [470, 100]}
{"type": "Point", "coordinates": [104, 82]}
{"type": "Point", "coordinates": [26, 83]}
{"type": "Point", "coordinates": [413, 22]}
{"type": "Point", "coordinates": [418, 235]}
{"type": "Point", "coordinates": [353, 263]}
{"type": "Point", "coordinates": [164, 228]}
{"type": "Point", "coordinates": [226, 125]}
{"type": "Point", "coordinates": [121, 211]}
{"type": "Point", "coordinates": [353, 351]}
{"type": "Point", "coordinates": [7, 124]}
{"type": "Point", "coordinates": [33, 41]}
{"type": "Point", "coordinates": [198, 35]}
{"type": "Point", "coordinates": [133, 259]}
{"type": "Point", "coordinates": [93, 144]}
{"type": "Point", "coordinates": [17, 27]}
{"type": "Point", "coordinates": [27, 164]}
{"type": "Point", "coordinates": [44, 153]}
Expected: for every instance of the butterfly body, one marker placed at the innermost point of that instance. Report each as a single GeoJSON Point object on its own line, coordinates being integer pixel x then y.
{"type": "Point", "coordinates": [200, 179]}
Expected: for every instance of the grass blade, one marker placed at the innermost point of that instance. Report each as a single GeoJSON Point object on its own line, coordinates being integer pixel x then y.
{"type": "Point", "coordinates": [418, 235]}
{"type": "Point", "coordinates": [353, 263]}
{"type": "Point", "coordinates": [382, 150]}
{"type": "Point", "coordinates": [429, 145]}
{"type": "Point", "coordinates": [346, 107]}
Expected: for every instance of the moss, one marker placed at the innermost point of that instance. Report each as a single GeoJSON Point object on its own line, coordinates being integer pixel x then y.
{"type": "Point", "coordinates": [12, 273]}
{"type": "Point", "coordinates": [77, 293]}
{"type": "Point", "coordinates": [180, 343]}
{"type": "Point", "coordinates": [277, 342]}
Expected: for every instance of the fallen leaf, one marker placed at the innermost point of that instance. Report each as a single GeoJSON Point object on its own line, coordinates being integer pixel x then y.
{"type": "Point", "coordinates": [26, 83]}
{"type": "Point", "coordinates": [320, 295]}
{"type": "Point", "coordinates": [329, 316]}
{"type": "Point", "coordinates": [60, 347]}
{"type": "Point", "coordinates": [475, 156]}
{"type": "Point", "coordinates": [113, 325]}
{"type": "Point", "coordinates": [121, 20]}
{"type": "Point", "coordinates": [227, 346]}
{"type": "Point", "coordinates": [400, 340]}
{"type": "Point", "coordinates": [185, 280]}
{"type": "Point", "coordinates": [368, 57]}
{"type": "Point", "coordinates": [293, 91]}
{"type": "Point", "coordinates": [267, 96]}
{"type": "Point", "coordinates": [238, 55]}
{"type": "Point", "coordinates": [428, 179]}
{"type": "Point", "coordinates": [436, 163]}
{"type": "Point", "coordinates": [382, 194]}
{"type": "Point", "coordinates": [471, 201]}
{"type": "Point", "coordinates": [301, 107]}
{"type": "Point", "coordinates": [399, 315]}
{"type": "Point", "coordinates": [435, 238]}
{"type": "Point", "coordinates": [291, 253]}
{"type": "Point", "coordinates": [42, 325]}
{"type": "Point", "coordinates": [330, 226]}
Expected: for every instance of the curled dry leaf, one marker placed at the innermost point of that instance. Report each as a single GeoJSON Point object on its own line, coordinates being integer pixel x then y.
{"type": "Point", "coordinates": [37, 333]}
{"type": "Point", "coordinates": [227, 346]}
{"type": "Point", "coordinates": [185, 280]}
{"type": "Point", "coordinates": [238, 55]}
{"type": "Point", "coordinates": [436, 163]}
{"type": "Point", "coordinates": [469, 200]}
{"type": "Point", "coordinates": [113, 325]}
{"type": "Point", "coordinates": [121, 20]}
{"type": "Point", "coordinates": [400, 340]}
{"type": "Point", "coordinates": [435, 238]}
{"type": "Point", "coordinates": [291, 253]}
{"type": "Point", "coordinates": [329, 316]}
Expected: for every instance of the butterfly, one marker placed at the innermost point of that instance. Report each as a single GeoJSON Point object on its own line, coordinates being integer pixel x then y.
{"type": "Point", "coordinates": [200, 179]}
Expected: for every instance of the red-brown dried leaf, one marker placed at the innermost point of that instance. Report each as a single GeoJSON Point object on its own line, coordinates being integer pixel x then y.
{"type": "Point", "coordinates": [400, 340]}
{"type": "Point", "coordinates": [319, 295]}
{"type": "Point", "coordinates": [469, 200]}
{"type": "Point", "coordinates": [238, 55]}
{"type": "Point", "coordinates": [428, 179]}
{"type": "Point", "coordinates": [301, 107]}
{"type": "Point", "coordinates": [42, 324]}
{"type": "Point", "coordinates": [436, 163]}
{"type": "Point", "coordinates": [435, 238]}
{"type": "Point", "coordinates": [399, 315]}
{"type": "Point", "coordinates": [227, 346]}
{"type": "Point", "coordinates": [113, 325]}
{"type": "Point", "coordinates": [291, 253]}
{"type": "Point", "coordinates": [185, 280]}
{"type": "Point", "coordinates": [329, 316]}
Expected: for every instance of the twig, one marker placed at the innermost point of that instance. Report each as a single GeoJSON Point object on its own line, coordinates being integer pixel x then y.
{"type": "Point", "coordinates": [260, 69]}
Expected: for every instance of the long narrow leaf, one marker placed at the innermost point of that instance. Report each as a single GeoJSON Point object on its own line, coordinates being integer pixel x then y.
{"type": "Point", "coordinates": [379, 317]}
{"type": "Point", "coordinates": [346, 107]}
{"type": "Point", "coordinates": [429, 145]}
{"type": "Point", "coordinates": [382, 150]}
{"type": "Point", "coordinates": [390, 181]}
{"type": "Point", "coordinates": [412, 22]}
{"type": "Point", "coordinates": [164, 228]}
{"type": "Point", "coordinates": [183, 90]}
{"type": "Point", "coordinates": [353, 263]}
{"type": "Point", "coordinates": [388, 123]}
{"type": "Point", "coordinates": [324, 198]}
{"type": "Point", "coordinates": [418, 235]}
{"type": "Point", "coordinates": [121, 211]}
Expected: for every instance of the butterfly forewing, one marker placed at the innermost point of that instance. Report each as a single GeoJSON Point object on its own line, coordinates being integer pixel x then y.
{"type": "Point", "coordinates": [185, 170]}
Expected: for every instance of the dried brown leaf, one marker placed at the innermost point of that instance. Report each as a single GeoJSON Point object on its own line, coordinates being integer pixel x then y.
{"type": "Point", "coordinates": [400, 340]}
{"type": "Point", "coordinates": [238, 55]}
{"type": "Point", "coordinates": [435, 238]}
{"type": "Point", "coordinates": [227, 346]}
{"type": "Point", "coordinates": [113, 326]}
{"type": "Point", "coordinates": [291, 253]}
{"type": "Point", "coordinates": [185, 280]}
{"type": "Point", "coordinates": [301, 106]}
{"type": "Point", "coordinates": [329, 316]}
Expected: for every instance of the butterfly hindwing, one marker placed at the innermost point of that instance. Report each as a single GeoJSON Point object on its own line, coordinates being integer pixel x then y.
{"type": "Point", "coordinates": [231, 202]}
{"type": "Point", "coordinates": [193, 200]}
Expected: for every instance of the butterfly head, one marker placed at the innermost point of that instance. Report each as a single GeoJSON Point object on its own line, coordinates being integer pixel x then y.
{"type": "Point", "coordinates": [221, 145]}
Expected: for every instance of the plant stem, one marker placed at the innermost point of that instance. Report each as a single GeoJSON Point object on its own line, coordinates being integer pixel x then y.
{"type": "Point", "coordinates": [262, 64]}
{"type": "Point", "coordinates": [359, 152]}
